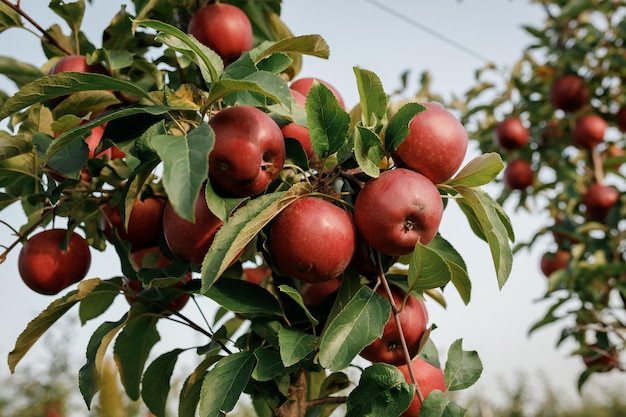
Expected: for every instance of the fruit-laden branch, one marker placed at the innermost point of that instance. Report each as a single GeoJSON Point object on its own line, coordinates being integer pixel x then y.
{"type": "Point", "coordinates": [46, 36]}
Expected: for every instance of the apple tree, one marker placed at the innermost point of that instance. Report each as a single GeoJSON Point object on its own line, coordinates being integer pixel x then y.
{"type": "Point", "coordinates": [186, 142]}
{"type": "Point", "coordinates": [558, 119]}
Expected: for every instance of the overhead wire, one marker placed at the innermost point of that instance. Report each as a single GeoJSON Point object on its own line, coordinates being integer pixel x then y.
{"type": "Point", "coordinates": [431, 32]}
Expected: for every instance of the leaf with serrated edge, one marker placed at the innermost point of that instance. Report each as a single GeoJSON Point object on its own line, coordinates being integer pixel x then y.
{"type": "Point", "coordinates": [458, 269]}
{"type": "Point", "coordinates": [382, 392]}
{"type": "Point", "coordinates": [494, 229]}
{"type": "Point", "coordinates": [436, 404]}
{"type": "Point", "coordinates": [295, 345]}
{"type": "Point", "coordinates": [131, 351]}
{"type": "Point", "coordinates": [56, 85]}
{"type": "Point", "coordinates": [427, 269]}
{"type": "Point", "coordinates": [356, 326]}
{"type": "Point", "coordinates": [223, 384]}
{"type": "Point", "coordinates": [479, 171]}
{"type": "Point", "coordinates": [398, 128]}
{"type": "Point", "coordinates": [328, 122]}
{"type": "Point", "coordinates": [463, 368]}
{"type": "Point", "coordinates": [313, 45]}
{"type": "Point", "coordinates": [40, 324]}
{"type": "Point", "coordinates": [372, 97]}
{"type": "Point", "coordinates": [368, 151]}
{"type": "Point", "coordinates": [297, 297]}
{"type": "Point", "coordinates": [185, 166]}
{"type": "Point", "coordinates": [155, 386]}
{"type": "Point", "coordinates": [245, 223]}
{"type": "Point", "coordinates": [269, 365]}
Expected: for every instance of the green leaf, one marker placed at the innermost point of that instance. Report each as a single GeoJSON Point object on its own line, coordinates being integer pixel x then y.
{"type": "Point", "coordinates": [245, 223]}
{"type": "Point", "coordinates": [313, 45]}
{"type": "Point", "coordinates": [209, 62]}
{"type": "Point", "coordinates": [490, 222]}
{"type": "Point", "coordinates": [269, 365]}
{"type": "Point", "coordinates": [295, 345]}
{"type": "Point", "coordinates": [458, 269]}
{"type": "Point", "coordinates": [463, 368]}
{"type": "Point", "coordinates": [398, 127]}
{"type": "Point", "coordinates": [382, 392]}
{"type": "Point", "coordinates": [190, 392]}
{"type": "Point", "coordinates": [11, 146]}
{"type": "Point", "coordinates": [9, 17]}
{"type": "Point", "coordinates": [155, 386]}
{"type": "Point", "coordinates": [224, 383]}
{"type": "Point", "coordinates": [427, 269]}
{"type": "Point", "coordinates": [436, 404]}
{"type": "Point", "coordinates": [479, 171]}
{"type": "Point", "coordinates": [368, 151]}
{"type": "Point", "coordinates": [19, 72]}
{"type": "Point", "coordinates": [356, 326]}
{"type": "Point", "coordinates": [185, 166]}
{"type": "Point", "coordinates": [71, 158]}
{"type": "Point", "coordinates": [372, 96]}
{"type": "Point", "coordinates": [57, 85]}
{"type": "Point", "coordinates": [328, 122]}
{"type": "Point", "coordinates": [40, 324]}
{"type": "Point", "coordinates": [71, 12]}
{"type": "Point", "coordinates": [89, 373]}
{"type": "Point", "coordinates": [244, 297]}
{"type": "Point", "coordinates": [297, 297]}
{"type": "Point", "coordinates": [265, 83]}
{"type": "Point", "coordinates": [131, 351]}
{"type": "Point", "coordinates": [85, 102]}
{"type": "Point", "coordinates": [99, 300]}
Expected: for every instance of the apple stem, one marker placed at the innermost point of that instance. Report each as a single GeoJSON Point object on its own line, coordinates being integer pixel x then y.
{"type": "Point", "coordinates": [598, 172]}
{"type": "Point", "coordinates": [47, 38]}
{"type": "Point", "coordinates": [405, 349]}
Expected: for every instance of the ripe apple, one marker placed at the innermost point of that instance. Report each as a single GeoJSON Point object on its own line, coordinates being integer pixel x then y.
{"type": "Point", "coordinates": [314, 293]}
{"type": "Point", "coordinates": [187, 240]}
{"type": "Point", "coordinates": [145, 224]}
{"type": "Point", "coordinates": [569, 93]}
{"type": "Point", "coordinates": [257, 275]}
{"type": "Point", "coordinates": [46, 268]}
{"type": "Point", "coordinates": [224, 28]}
{"type": "Point", "coordinates": [599, 199]}
{"type": "Point", "coordinates": [249, 151]}
{"type": "Point", "coordinates": [303, 86]}
{"type": "Point", "coordinates": [298, 132]}
{"type": "Point", "coordinates": [75, 63]}
{"type": "Point", "coordinates": [511, 134]}
{"type": "Point", "coordinates": [589, 131]}
{"type": "Point", "coordinates": [312, 240]}
{"type": "Point", "coordinates": [156, 259]}
{"type": "Point", "coordinates": [413, 320]}
{"type": "Point", "coordinates": [436, 144]}
{"type": "Point", "coordinates": [554, 261]}
{"type": "Point", "coordinates": [396, 210]}
{"type": "Point", "coordinates": [429, 378]}
{"type": "Point", "coordinates": [519, 174]}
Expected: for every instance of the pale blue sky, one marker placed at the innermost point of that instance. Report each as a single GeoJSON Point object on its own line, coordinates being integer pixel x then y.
{"type": "Point", "coordinates": [360, 34]}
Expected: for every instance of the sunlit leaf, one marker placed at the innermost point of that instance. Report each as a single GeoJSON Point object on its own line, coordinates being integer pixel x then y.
{"type": "Point", "coordinates": [463, 368]}
{"type": "Point", "coordinates": [295, 345]}
{"type": "Point", "coordinates": [479, 171]}
{"type": "Point", "coordinates": [328, 122]}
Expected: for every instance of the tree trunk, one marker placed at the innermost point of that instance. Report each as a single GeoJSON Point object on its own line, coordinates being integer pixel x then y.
{"type": "Point", "coordinates": [295, 406]}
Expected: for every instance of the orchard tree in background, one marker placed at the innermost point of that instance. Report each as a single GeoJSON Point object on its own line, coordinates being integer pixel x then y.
{"type": "Point", "coordinates": [167, 140]}
{"type": "Point", "coordinates": [559, 124]}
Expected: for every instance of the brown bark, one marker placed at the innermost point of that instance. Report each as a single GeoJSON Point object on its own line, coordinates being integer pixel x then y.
{"type": "Point", "coordinates": [296, 405]}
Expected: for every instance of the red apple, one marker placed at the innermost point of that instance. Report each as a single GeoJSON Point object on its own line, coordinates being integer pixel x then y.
{"type": "Point", "coordinates": [429, 378]}
{"type": "Point", "coordinates": [599, 199]}
{"type": "Point", "coordinates": [249, 151]}
{"type": "Point", "coordinates": [569, 93]}
{"type": "Point", "coordinates": [46, 268]}
{"type": "Point", "coordinates": [298, 132]}
{"type": "Point", "coordinates": [589, 131]}
{"type": "Point", "coordinates": [314, 293]}
{"type": "Point", "coordinates": [554, 261]}
{"type": "Point", "coordinates": [187, 240]}
{"type": "Point", "coordinates": [396, 210]}
{"type": "Point", "coordinates": [511, 134]}
{"type": "Point", "coordinates": [224, 28]}
{"type": "Point", "coordinates": [436, 144]}
{"type": "Point", "coordinates": [154, 258]}
{"type": "Point", "coordinates": [257, 275]}
{"type": "Point", "coordinates": [413, 320]}
{"type": "Point", "coordinates": [519, 174]}
{"type": "Point", "coordinates": [303, 85]}
{"type": "Point", "coordinates": [312, 240]}
{"type": "Point", "coordinates": [145, 224]}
